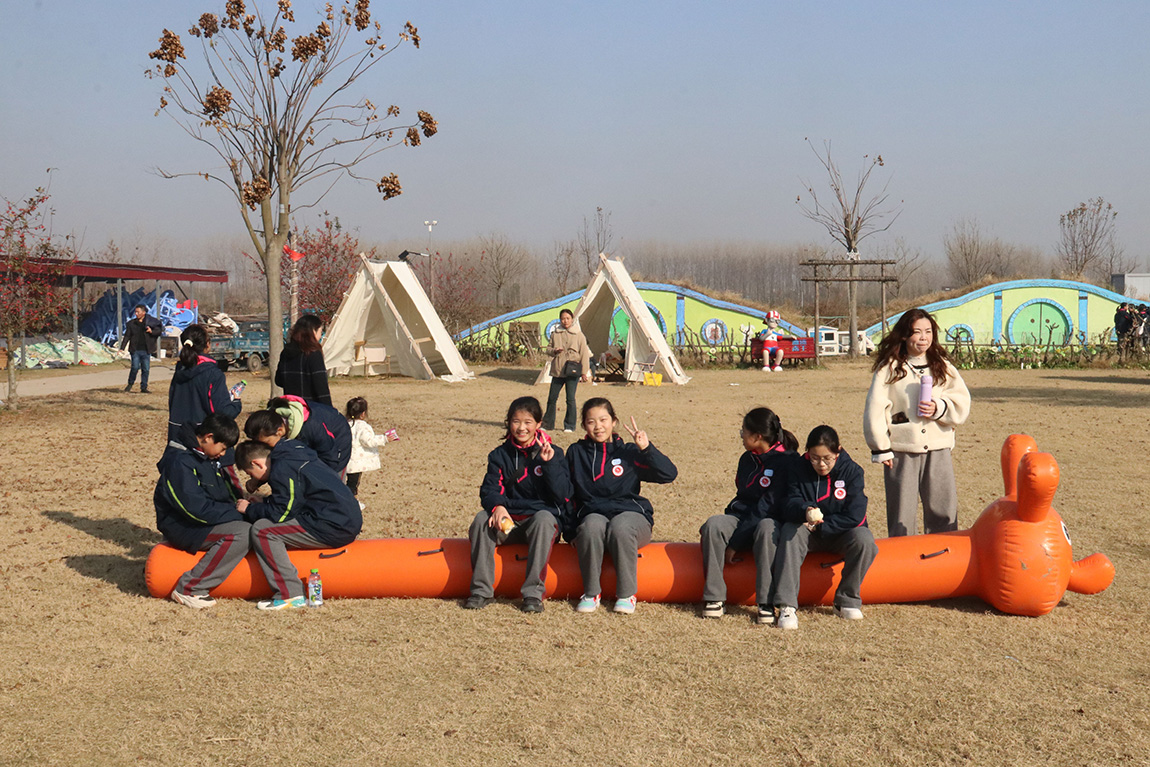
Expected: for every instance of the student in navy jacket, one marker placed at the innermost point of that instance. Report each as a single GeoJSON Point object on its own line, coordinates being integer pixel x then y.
{"type": "Point", "coordinates": [309, 508]}
{"type": "Point", "coordinates": [195, 502]}
{"type": "Point", "coordinates": [198, 387]}
{"type": "Point", "coordinates": [825, 511]}
{"type": "Point", "coordinates": [610, 515]}
{"type": "Point", "coordinates": [752, 519]}
{"type": "Point", "coordinates": [524, 495]}
{"type": "Point", "coordinates": [321, 427]}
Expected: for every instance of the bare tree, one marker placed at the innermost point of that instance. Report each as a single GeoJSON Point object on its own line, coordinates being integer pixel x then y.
{"type": "Point", "coordinates": [850, 216]}
{"type": "Point", "coordinates": [1086, 237]}
{"type": "Point", "coordinates": [563, 263]}
{"type": "Point", "coordinates": [969, 254]}
{"type": "Point", "coordinates": [279, 125]}
{"type": "Point", "coordinates": [503, 261]}
{"type": "Point", "coordinates": [595, 238]}
{"type": "Point", "coordinates": [909, 267]}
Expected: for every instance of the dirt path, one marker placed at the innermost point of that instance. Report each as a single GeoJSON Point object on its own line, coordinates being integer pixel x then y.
{"type": "Point", "coordinates": [40, 387]}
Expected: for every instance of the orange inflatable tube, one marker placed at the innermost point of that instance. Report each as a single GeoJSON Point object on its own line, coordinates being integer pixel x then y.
{"type": "Point", "coordinates": [1016, 556]}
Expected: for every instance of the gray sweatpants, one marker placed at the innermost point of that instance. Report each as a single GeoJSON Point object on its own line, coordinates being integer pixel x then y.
{"type": "Point", "coordinates": [226, 546]}
{"type": "Point", "coordinates": [929, 475]}
{"type": "Point", "coordinates": [271, 541]}
{"type": "Point", "coordinates": [538, 531]}
{"type": "Point", "coordinates": [856, 546]}
{"type": "Point", "coordinates": [620, 536]}
{"type": "Point", "coordinates": [724, 531]}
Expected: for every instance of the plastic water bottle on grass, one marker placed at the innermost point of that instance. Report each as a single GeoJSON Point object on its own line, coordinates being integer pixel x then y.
{"type": "Point", "coordinates": [314, 589]}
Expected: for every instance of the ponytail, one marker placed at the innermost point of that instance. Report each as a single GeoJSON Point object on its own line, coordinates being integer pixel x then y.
{"type": "Point", "coordinates": [193, 343]}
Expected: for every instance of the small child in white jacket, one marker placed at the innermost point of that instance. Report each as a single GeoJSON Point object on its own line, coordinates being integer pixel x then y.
{"type": "Point", "coordinates": [365, 444]}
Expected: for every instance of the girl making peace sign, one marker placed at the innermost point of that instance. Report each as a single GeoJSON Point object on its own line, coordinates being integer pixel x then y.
{"type": "Point", "coordinates": [610, 515]}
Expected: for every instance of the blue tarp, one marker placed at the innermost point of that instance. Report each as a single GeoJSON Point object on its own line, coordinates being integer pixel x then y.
{"type": "Point", "coordinates": [101, 321]}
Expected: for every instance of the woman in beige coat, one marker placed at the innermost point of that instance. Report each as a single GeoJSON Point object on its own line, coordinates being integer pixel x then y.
{"type": "Point", "coordinates": [910, 434]}
{"type": "Point", "coordinates": [567, 346]}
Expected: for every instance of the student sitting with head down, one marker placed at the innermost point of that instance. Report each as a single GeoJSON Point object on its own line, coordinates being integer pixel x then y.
{"type": "Point", "coordinates": [321, 427]}
{"type": "Point", "coordinates": [195, 503]}
{"type": "Point", "coordinates": [309, 508]}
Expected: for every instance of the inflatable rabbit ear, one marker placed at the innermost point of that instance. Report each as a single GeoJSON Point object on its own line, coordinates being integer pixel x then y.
{"type": "Point", "coordinates": [1015, 446]}
{"type": "Point", "coordinates": [1037, 482]}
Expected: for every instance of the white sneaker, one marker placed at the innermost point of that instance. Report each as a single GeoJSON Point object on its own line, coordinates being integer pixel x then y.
{"type": "Point", "coordinates": [849, 613]}
{"type": "Point", "coordinates": [625, 606]}
{"type": "Point", "coordinates": [766, 368]}
{"type": "Point", "coordinates": [194, 601]}
{"type": "Point", "coordinates": [587, 604]}
{"type": "Point", "coordinates": [778, 368]}
{"type": "Point", "coordinates": [787, 618]}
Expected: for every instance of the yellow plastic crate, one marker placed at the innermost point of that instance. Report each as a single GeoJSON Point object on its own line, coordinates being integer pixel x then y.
{"type": "Point", "coordinates": [652, 379]}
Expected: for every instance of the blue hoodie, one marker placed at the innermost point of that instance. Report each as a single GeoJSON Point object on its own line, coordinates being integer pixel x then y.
{"type": "Point", "coordinates": [519, 480]}
{"type": "Point", "coordinates": [308, 491]}
{"type": "Point", "coordinates": [195, 493]}
{"type": "Point", "coordinates": [761, 484]}
{"type": "Point", "coordinates": [197, 392]}
{"type": "Point", "coordinates": [839, 495]}
{"type": "Point", "coordinates": [607, 476]}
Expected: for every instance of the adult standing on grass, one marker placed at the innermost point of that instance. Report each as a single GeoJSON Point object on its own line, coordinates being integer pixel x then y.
{"type": "Point", "coordinates": [916, 399]}
{"type": "Point", "coordinates": [570, 361]}
{"type": "Point", "coordinates": [141, 336]}
{"type": "Point", "coordinates": [301, 371]}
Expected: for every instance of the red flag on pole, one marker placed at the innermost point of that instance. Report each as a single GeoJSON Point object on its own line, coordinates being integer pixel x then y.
{"type": "Point", "coordinates": [294, 255]}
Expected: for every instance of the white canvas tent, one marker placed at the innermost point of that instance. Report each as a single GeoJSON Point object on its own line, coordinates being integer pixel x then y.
{"type": "Point", "coordinates": [612, 285]}
{"type": "Point", "coordinates": [385, 315]}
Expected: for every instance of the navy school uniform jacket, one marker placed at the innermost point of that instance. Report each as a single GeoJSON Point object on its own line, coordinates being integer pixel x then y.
{"type": "Point", "coordinates": [839, 495]}
{"type": "Point", "coordinates": [197, 392]}
{"type": "Point", "coordinates": [761, 484]}
{"type": "Point", "coordinates": [327, 432]}
{"type": "Point", "coordinates": [520, 480]}
{"type": "Point", "coordinates": [607, 476]}
{"type": "Point", "coordinates": [308, 491]}
{"type": "Point", "coordinates": [195, 493]}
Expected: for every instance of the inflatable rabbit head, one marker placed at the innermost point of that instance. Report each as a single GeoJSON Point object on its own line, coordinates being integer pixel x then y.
{"type": "Point", "coordinates": [1022, 548]}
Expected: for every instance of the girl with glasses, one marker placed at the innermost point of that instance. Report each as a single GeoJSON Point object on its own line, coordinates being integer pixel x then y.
{"type": "Point", "coordinates": [825, 511]}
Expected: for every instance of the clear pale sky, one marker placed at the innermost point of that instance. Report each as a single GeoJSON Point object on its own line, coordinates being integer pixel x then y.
{"type": "Point", "coordinates": [685, 120]}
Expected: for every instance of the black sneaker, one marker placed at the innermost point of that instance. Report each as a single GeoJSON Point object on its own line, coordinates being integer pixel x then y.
{"type": "Point", "coordinates": [713, 610]}
{"type": "Point", "coordinates": [128, 387]}
{"type": "Point", "coordinates": [766, 616]}
{"type": "Point", "coordinates": [475, 602]}
{"type": "Point", "coordinates": [143, 391]}
{"type": "Point", "coordinates": [531, 605]}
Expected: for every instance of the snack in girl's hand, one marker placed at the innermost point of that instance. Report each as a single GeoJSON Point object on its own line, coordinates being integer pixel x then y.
{"type": "Point", "coordinates": [814, 515]}
{"type": "Point", "coordinates": [507, 525]}
{"type": "Point", "coordinates": [392, 435]}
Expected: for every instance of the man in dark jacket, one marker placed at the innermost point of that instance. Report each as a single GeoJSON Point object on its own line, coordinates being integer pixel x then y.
{"type": "Point", "coordinates": [195, 502]}
{"type": "Point", "coordinates": [141, 336]}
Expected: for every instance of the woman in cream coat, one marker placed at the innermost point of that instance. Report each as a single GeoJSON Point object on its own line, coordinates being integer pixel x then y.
{"type": "Point", "coordinates": [912, 438]}
{"type": "Point", "coordinates": [567, 346]}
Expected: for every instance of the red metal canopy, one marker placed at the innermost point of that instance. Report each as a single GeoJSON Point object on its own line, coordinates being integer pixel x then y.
{"type": "Point", "coordinates": [98, 271]}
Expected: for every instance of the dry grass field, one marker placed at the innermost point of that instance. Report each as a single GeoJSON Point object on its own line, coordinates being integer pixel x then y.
{"type": "Point", "coordinates": [94, 671]}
